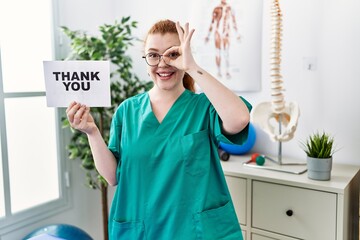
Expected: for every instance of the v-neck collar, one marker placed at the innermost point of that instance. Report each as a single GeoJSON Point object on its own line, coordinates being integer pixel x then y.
{"type": "Point", "coordinates": [147, 110]}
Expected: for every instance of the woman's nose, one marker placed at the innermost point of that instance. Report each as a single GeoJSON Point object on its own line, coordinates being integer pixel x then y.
{"type": "Point", "coordinates": [162, 62]}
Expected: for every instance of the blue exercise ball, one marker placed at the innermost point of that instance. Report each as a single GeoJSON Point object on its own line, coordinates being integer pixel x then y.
{"type": "Point", "coordinates": [243, 148]}
{"type": "Point", "coordinates": [62, 231]}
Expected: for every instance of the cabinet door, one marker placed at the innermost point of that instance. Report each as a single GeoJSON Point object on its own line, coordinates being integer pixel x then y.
{"type": "Point", "coordinates": [237, 188]}
{"type": "Point", "coordinates": [292, 211]}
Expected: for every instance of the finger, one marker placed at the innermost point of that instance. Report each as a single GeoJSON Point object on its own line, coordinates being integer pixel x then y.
{"type": "Point", "coordinates": [72, 111]}
{"type": "Point", "coordinates": [85, 117]}
{"type": "Point", "coordinates": [188, 38]}
{"type": "Point", "coordinates": [173, 49]}
{"type": "Point", "coordinates": [170, 52]}
{"type": "Point", "coordinates": [180, 31]}
{"type": "Point", "coordinates": [186, 29]}
{"type": "Point", "coordinates": [73, 103]}
{"type": "Point", "coordinates": [79, 115]}
{"type": "Point", "coordinates": [87, 112]}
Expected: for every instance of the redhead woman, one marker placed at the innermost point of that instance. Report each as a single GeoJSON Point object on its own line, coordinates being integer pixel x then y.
{"type": "Point", "coordinates": [162, 152]}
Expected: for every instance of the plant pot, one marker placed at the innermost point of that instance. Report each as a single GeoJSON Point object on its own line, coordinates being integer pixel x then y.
{"type": "Point", "coordinates": [319, 168]}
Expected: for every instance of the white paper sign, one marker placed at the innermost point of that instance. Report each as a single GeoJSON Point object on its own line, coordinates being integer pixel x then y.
{"type": "Point", "coordinates": [86, 82]}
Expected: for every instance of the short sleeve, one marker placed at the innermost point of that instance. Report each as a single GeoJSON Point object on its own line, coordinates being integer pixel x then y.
{"type": "Point", "coordinates": [114, 144]}
{"type": "Point", "coordinates": [216, 128]}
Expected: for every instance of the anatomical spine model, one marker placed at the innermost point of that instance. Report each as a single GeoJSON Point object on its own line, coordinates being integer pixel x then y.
{"type": "Point", "coordinates": [277, 118]}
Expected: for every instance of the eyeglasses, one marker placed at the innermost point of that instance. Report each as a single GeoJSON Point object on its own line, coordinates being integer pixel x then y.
{"type": "Point", "coordinates": [153, 59]}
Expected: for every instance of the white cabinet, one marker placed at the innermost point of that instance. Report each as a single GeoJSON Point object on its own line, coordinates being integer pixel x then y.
{"type": "Point", "coordinates": [274, 205]}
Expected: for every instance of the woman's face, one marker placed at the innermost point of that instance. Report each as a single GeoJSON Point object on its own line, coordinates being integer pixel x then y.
{"type": "Point", "coordinates": [165, 77]}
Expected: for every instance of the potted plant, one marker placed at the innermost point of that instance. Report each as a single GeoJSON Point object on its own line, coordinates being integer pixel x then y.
{"type": "Point", "coordinates": [319, 148]}
{"type": "Point", "coordinates": [110, 45]}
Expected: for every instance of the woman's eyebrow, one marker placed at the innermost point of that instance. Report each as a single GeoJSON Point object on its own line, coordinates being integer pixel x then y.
{"type": "Point", "coordinates": [157, 50]}
{"type": "Point", "coordinates": [153, 49]}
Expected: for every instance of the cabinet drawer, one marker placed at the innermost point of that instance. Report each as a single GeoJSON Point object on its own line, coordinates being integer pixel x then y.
{"type": "Point", "coordinates": [237, 188]}
{"type": "Point", "coordinates": [259, 237]}
{"type": "Point", "coordinates": [293, 211]}
{"type": "Point", "coordinates": [255, 236]}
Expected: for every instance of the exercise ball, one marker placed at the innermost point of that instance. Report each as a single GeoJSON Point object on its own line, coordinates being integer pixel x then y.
{"type": "Point", "coordinates": [61, 231]}
{"type": "Point", "coordinates": [243, 148]}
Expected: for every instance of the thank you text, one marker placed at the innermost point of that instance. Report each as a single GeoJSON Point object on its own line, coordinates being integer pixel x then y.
{"type": "Point", "coordinates": [87, 82]}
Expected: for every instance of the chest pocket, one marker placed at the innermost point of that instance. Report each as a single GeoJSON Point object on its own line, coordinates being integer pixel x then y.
{"type": "Point", "coordinates": [196, 153]}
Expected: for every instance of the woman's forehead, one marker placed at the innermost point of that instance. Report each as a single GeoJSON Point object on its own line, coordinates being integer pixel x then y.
{"type": "Point", "coordinates": [161, 42]}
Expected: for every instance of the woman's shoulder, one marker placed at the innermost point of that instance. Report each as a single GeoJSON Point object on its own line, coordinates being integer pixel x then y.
{"type": "Point", "coordinates": [140, 97]}
{"type": "Point", "coordinates": [132, 102]}
{"type": "Point", "coordinates": [198, 97]}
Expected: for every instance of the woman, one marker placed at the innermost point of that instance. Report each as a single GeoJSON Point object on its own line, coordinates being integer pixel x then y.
{"type": "Point", "coordinates": [162, 152]}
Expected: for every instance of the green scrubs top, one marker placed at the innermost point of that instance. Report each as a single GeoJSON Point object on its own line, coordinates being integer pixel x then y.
{"type": "Point", "coordinates": [170, 181]}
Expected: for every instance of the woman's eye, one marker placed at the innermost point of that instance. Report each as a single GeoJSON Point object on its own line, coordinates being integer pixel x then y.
{"type": "Point", "coordinates": [173, 55]}
{"type": "Point", "coordinates": [153, 55]}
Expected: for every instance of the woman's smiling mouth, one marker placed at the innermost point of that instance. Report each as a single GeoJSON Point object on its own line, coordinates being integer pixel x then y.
{"type": "Point", "coordinates": [165, 75]}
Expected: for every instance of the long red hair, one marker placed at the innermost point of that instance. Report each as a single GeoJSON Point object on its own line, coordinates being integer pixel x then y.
{"type": "Point", "coordinates": [167, 26]}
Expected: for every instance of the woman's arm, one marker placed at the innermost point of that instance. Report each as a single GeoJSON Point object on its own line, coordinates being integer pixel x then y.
{"type": "Point", "coordinates": [80, 118]}
{"type": "Point", "coordinates": [231, 109]}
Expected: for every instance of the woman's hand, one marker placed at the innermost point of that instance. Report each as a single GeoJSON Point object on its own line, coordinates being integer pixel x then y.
{"type": "Point", "coordinates": [80, 118]}
{"type": "Point", "coordinates": [181, 56]}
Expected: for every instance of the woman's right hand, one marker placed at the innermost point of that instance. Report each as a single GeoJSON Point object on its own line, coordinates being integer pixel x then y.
{"type": "Point", "coordinates": [80, 118]}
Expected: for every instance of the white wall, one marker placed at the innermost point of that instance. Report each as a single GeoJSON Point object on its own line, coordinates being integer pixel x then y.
{"type": "Point", "coordinates": [329, 99]}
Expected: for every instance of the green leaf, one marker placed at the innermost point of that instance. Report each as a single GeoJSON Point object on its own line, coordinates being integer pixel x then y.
{"type": "Point", "coordinates": [125, 19]}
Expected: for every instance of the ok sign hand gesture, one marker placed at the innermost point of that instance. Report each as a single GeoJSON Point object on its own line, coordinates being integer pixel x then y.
{"type": "Point", "coordinates": [185, 60]}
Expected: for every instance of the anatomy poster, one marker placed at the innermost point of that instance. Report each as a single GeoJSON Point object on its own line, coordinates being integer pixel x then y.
{"type": "Point", "coordinates": [87, 82]}
{"type": "Point", "coordinates": [227, 41]}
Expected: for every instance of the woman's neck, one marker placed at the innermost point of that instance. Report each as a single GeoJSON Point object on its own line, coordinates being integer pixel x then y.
{"type": "Point", "coordinates": [156, 94]}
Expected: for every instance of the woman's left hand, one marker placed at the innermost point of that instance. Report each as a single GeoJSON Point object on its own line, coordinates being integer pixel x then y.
{"type": "Point", "coordinates": [185, 60]}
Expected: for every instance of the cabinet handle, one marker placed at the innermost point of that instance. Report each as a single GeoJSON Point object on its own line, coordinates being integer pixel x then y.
{"type": "Point", "coordinates": [289, 213]}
